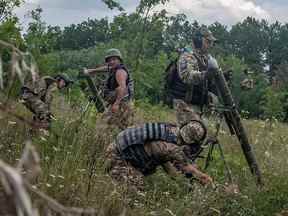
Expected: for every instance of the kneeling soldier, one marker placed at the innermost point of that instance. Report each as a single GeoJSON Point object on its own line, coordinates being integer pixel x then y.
{"type": "Point", "coordinates": [138, 151]}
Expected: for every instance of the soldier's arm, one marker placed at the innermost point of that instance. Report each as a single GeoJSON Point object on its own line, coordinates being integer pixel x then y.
{"type": "Point", "coordinates": [181, 162]}
{"type": "Point", "coordinates": [49, 94]}
{"type": "Point", "coordinates": [93, 71]}
{"type": "Point", "coordinates": [202, 177]}
{"type": "Point", "coordinates": [121, 90]}
{"type": "Point", "coordinates": [188, 69]}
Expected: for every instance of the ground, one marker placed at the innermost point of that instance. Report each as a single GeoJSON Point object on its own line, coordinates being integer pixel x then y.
{"type": "Point", "coordinates": [72, 168]}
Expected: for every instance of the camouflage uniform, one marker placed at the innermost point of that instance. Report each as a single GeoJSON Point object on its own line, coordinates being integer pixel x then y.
{"type": "Point", "coordinates": [187, 78]}
{"type": "Point", "coordinates": [124, 117]}
{"type": "Point", "coordinates": [123, 171]}
{"type": "Point", "coordinates": [248, 82]}
{"type": "Point", "coordinates": [37, 97]}
{"type": "Point", "coordinates": [138, 151]}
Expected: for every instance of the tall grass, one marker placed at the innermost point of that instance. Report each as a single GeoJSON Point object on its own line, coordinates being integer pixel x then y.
{"type": "Point", "coordinates": [72, 158]}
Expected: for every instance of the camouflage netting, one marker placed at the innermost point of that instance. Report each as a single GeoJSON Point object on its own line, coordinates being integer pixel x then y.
{"type": "Point", "coordinates": [16, 187]}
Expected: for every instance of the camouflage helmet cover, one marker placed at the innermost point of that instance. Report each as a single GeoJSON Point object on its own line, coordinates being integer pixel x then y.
{"type": "Point", "coordinates": [192, 132]}
{"type": "Point", "coordinates": [113, 53]}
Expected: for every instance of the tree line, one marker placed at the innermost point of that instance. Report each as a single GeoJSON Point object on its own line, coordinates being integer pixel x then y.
{"type": "Point", "coordinates": [149, 41]}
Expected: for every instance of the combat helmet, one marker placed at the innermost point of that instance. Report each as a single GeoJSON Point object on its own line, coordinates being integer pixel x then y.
{"type": "Point", "coordinates": [206, 33]}
{"type": "Point", "coordinates": [65, 77]}
{"type": "Point", "coordinates": [189, 132]}
{"type": "Point", "coordinates": [113, 53]}
{"type": "Point", "coordinates": [201, 33]}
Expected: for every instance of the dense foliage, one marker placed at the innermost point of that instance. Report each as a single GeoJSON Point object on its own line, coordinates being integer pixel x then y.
{"type": "Point", "coordinates": [149, 41]}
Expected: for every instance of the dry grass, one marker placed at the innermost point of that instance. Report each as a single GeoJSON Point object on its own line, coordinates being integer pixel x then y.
{"type": "Point", "coordinates": [72, 164]}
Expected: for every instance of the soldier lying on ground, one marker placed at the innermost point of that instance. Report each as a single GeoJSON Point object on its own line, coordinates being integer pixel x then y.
{"type": "Point", "coordinates": [119, 89]}
{"type": "Point", "coordinates": [37, 97]}
{"type": "Point", "coordinates": [138, 151]}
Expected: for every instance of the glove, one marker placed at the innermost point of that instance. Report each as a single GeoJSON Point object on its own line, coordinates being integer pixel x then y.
{"type": "Point", "coordinates": [85, 71]}
{"type": "Point", "coordinates": [212, 67]}
{"type": "Point", "coordinates": [212, 64]}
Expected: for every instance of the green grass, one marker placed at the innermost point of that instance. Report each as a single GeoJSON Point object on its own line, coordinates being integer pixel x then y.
{"type": "Point", "coordinates": [72, 168]}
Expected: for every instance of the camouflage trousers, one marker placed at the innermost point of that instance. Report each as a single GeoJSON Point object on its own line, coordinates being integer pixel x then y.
{"type": "Point", "coordinates": [121, 171]}
{"type": "Point", "coordinates": [40, 109]}
{"type": "Point", "coordinates": [123, 118]}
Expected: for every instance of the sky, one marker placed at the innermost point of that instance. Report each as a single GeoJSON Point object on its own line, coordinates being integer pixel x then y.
{"type": "Point", "coordinates": [228, 12]}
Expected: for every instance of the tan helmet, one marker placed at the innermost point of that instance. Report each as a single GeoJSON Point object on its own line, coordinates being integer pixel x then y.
{"type": "Point", "coordinates": [113, 53]}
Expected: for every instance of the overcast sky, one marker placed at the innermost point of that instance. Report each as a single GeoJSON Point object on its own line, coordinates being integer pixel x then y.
{"type": "Point", "coordinates": [65, 12]}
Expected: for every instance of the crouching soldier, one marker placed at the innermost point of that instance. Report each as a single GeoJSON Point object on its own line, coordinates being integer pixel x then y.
{"type": "Point", "coordinates": [37, 97]}
{"type": "Point", "coordinates": [138, 151]}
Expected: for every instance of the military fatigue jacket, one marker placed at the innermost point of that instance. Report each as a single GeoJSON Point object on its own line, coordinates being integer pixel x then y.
{"type": "Point", "coordinates": [191, 66]}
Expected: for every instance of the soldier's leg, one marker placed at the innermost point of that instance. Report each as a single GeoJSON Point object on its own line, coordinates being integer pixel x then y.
{"type": "Point", "coordinates": [121, 171]}
{"type": "Point", "coordinates": [126, 114]}
{"type": "Point", "coordinates": [123, 118]}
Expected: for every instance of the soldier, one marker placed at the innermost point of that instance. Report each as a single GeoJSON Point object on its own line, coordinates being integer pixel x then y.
{"type": "Point", "coordinates": [37, 97]}
{"type": "Point", "coordinates": [138, 151]}
{"type": "Point", "coordinates": [248, 82]}
{"type": "Point", "coordinates": [119, 89]}
{"type": "Point", "coordinates": [188, 76]}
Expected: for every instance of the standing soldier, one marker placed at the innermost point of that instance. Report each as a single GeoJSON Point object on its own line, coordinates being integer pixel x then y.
{"type": "Point", "coordinates": [248, 82]}
{"type": "Point", "coordinates": [138, 151]}
{"type": "Point", "coordinates": [119, 89]}
{"type": "Point", "coordinates": [188, 76]}
{"type": "Point", "coordinates": [37, 97]}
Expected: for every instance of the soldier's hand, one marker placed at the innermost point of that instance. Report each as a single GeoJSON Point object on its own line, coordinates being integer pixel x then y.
{"type": "Point", "coordinates": [115, 108]}
{"type": "Point", "coordinates": [85, 71]}
{"type": "Point", "coordinates": [205, 179]}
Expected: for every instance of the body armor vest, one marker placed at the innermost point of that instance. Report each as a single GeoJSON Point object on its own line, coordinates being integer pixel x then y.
{"type": "Point", "coordinates": [130, 144]}
{"type": "Point", "coordinates": [146, 132]}
{"type": "Point", "coordinates": [111, 83]}
{"type": "Point", "coordinates": [177, 89]}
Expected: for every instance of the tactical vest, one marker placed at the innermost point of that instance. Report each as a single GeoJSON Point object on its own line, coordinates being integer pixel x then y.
{"type": "Point", "coordinates": [130, 144]}
{"type": "Point", "coordinates": [146, 132]}
{"type": "Point", "coordinates": [112, 84]}
{"type": "Point", "coordinates": [177, 89]}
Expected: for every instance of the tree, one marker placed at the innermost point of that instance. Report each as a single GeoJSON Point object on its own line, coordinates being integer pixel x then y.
{"type": "Point", "coordinates": [249, 41]}
{"type": "Point", "coordinates": [7, 7]}
{"type": "Point", "coordinates": [111, 4]}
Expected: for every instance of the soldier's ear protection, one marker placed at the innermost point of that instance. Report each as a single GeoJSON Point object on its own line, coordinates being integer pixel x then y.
{"type": "Point", "coordinates": [198, 40]}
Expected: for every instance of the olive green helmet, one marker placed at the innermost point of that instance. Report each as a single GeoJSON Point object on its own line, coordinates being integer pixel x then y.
{"type": "Point", "coordinates": [65, 77]}
{"type": "Point", "coordinates": [113, 53]}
